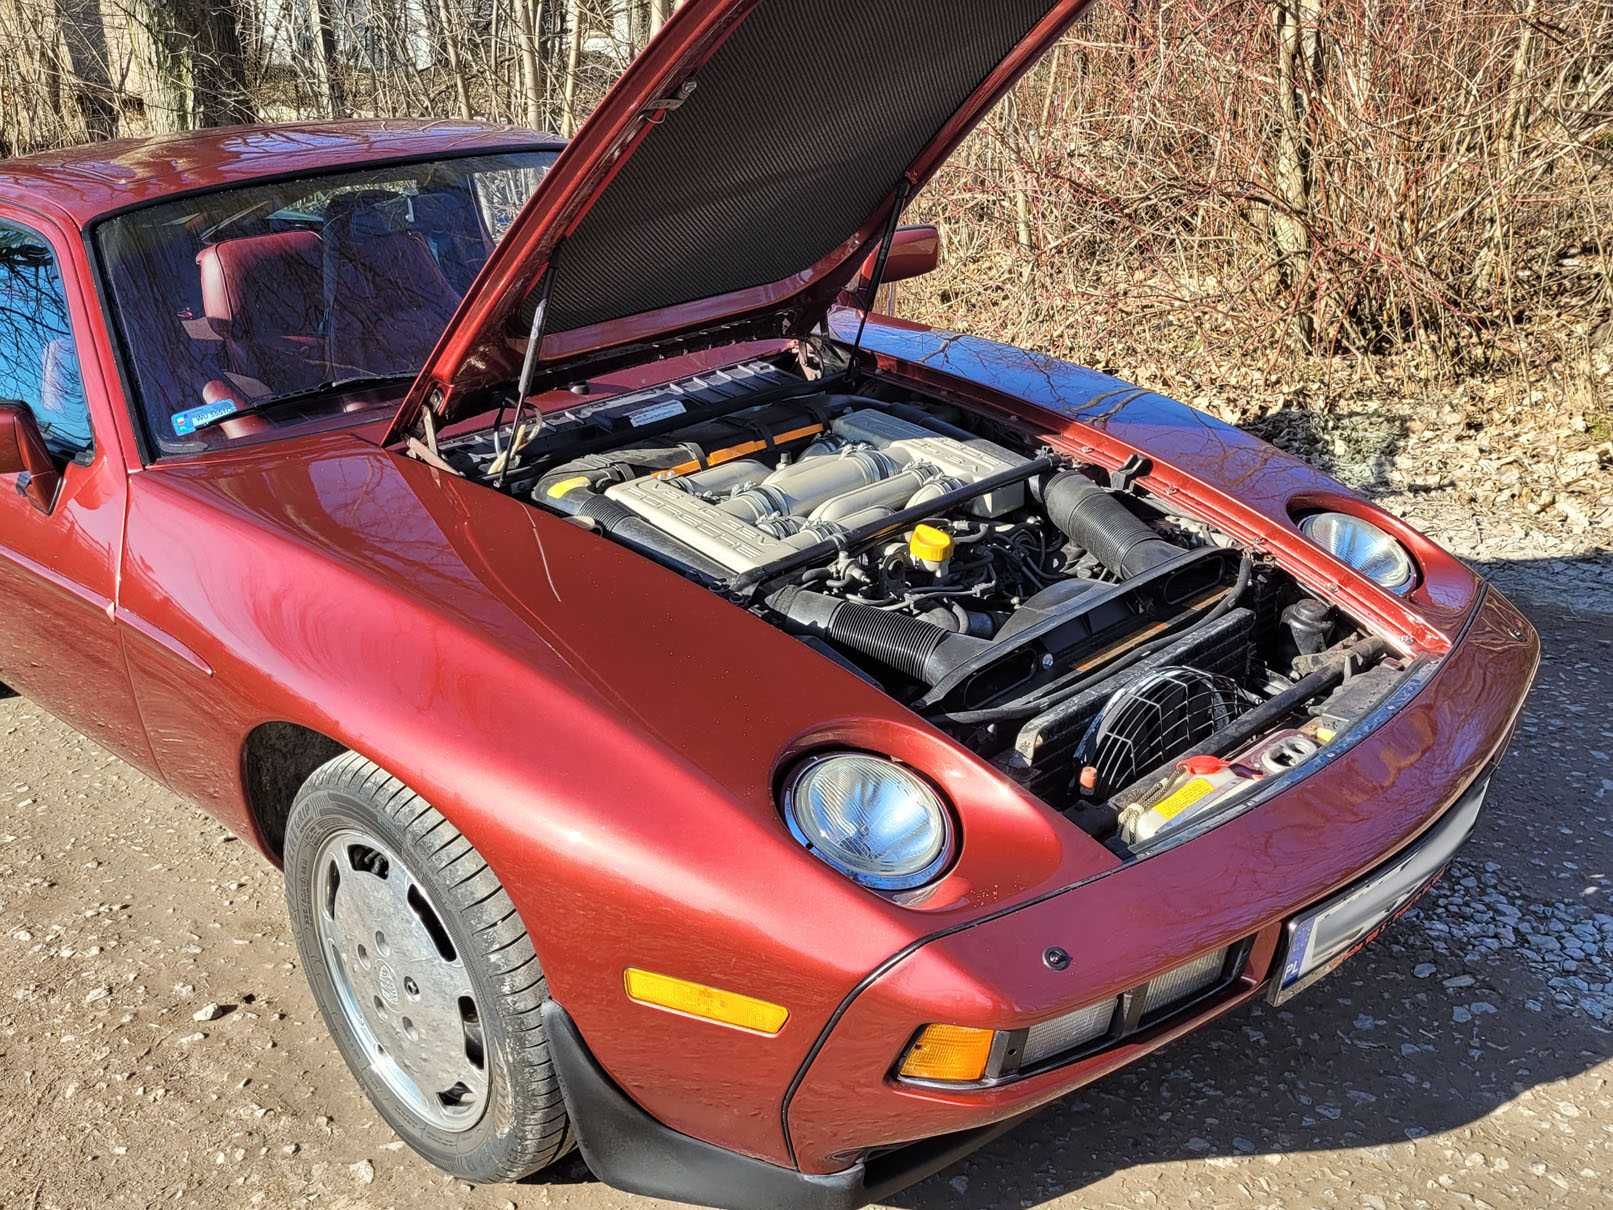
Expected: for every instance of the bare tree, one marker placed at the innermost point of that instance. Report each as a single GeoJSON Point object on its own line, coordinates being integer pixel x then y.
{"type": "Point", "coordinates": [660, 10]}
{"type": "Point", "coordinates": [574, 41]}
{"type": "Point", "coordinates": [221, 95]}
{"type": "Point", "coordinates": [327, 63]}
{"type": "Point", "coordinates": [1299, 73]}
{"type": "Point", "coordinates": [529, 21]}
{"type": "Point", "coordinates": [450, 33]}
{"type": "Point", "coordinates": [196, 66]}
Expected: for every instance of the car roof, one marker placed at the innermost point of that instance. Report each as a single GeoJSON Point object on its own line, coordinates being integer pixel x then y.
{"type": "Point", "coordinates": [83, 183]}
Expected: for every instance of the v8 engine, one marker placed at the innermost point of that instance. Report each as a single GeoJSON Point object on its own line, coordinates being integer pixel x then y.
{"type": "Point", "coordinates": [744, 514]}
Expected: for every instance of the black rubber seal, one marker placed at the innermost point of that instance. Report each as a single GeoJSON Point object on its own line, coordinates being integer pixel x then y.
{"type": "Point", "coordinates": [628, 1149]}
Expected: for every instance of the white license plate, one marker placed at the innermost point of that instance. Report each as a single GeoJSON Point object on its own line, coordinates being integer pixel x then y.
{"type": "Point", "coordinates": [1319, 939]}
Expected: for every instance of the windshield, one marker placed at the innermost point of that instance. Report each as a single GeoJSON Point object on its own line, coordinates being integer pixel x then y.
{"type": "Point", "coordinates": [229, 299]}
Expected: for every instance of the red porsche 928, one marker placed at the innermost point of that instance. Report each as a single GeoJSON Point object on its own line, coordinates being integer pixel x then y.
{"type": "Point", "coordinates": [767, 745]}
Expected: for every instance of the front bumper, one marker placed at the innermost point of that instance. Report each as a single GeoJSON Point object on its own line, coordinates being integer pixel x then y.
{"type": "Point", "coordinates": [1368, 829]}
{"type": "Point", "coordinates": [1238, 883]}
{"type": "Point", "coordinates": [627, 1148]}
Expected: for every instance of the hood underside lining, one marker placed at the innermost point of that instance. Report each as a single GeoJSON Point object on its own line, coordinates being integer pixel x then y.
{"type": "Point", "coordinates": [796, 131]}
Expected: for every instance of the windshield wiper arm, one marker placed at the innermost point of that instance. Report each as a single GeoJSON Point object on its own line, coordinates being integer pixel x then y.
{"type": "Point", "coordinates": [356, 382]}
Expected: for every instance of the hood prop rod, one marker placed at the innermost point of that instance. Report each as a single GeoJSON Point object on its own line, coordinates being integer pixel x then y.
{"type": "Point", "coordinates": [903, 188]}
{"type": "Point", "coordinates": [528, 366]}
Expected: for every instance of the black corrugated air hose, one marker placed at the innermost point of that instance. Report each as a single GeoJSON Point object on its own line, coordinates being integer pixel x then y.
{"type": "Point", "coordinates": [919, 649]}
{"type": "Point", "coordinates": [1096, 520]}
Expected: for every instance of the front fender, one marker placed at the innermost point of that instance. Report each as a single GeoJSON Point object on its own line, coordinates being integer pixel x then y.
{"type": "Point", "coordinates": [605, 733]}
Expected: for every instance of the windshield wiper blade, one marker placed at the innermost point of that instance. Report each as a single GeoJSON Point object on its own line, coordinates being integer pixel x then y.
{"type": "Point", "coordinates": [354, 383]}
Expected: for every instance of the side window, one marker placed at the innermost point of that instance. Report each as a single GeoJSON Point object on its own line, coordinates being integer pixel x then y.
{"type": "Point", "coordinates": [38, 363]}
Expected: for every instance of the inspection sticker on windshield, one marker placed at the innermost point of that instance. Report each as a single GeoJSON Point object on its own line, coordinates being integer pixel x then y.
{"type": "Point", "coordinates": [657, 411]}
{"type": "Point", "coordinates": [185, 422]}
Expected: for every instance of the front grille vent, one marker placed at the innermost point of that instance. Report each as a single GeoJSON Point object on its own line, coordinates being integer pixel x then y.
{"type": "Point", "coordinates": [1183, 982]}
{"type": "Point", "coordinates": [1094, 1026]}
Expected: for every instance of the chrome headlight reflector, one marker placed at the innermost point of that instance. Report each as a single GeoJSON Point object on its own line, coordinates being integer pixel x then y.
{"type": "Point", "coordinates": [879, 824]}
{"type": "Point", "coordinates": [1363, 546]}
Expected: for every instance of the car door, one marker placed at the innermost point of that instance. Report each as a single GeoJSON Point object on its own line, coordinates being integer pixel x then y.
{"type": "Point", "coordinates": [59, 644]}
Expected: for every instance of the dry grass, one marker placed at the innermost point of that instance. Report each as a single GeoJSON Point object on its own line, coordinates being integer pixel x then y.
{"type": "Point", "coordinates": [1451, 200]}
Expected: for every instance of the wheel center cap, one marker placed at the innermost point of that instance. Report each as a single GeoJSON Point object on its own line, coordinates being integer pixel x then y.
{"type": "Point", "coordinates": [387, 980]}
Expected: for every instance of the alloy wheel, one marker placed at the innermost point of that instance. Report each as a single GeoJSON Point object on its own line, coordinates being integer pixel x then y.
{"type": "Point", "coordinates": [403, 988]}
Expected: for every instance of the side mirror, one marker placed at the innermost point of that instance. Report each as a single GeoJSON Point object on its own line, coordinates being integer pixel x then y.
{"type": "Point", "coordinates": [23, 454]}
{"type": "Point", "coordinates": [914, 252]}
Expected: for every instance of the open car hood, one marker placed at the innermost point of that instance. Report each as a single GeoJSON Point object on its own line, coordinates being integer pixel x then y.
{"type": "Point", "coordinates": [732, 182]}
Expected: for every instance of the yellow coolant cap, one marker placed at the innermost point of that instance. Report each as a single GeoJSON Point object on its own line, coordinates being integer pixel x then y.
{"type": "Point", "coordinates": [930, 544]}
{"type": "Point", "coordinates": [558, 490]}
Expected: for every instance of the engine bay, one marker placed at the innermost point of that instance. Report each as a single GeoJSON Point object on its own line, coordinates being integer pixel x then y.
{"type": "Point", "coordinates": [1121, 659]}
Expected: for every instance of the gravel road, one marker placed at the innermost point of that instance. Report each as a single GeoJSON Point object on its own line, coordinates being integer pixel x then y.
{"type": "Point", "coordinates": [158, 1046]}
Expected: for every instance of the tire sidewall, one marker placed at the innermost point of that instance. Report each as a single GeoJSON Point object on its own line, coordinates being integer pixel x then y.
{"type": "Point", "coordinates": [319, 813]}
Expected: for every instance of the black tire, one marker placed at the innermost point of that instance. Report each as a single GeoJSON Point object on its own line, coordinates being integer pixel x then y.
{"type": "Point", "coordinates": [523, 1125]}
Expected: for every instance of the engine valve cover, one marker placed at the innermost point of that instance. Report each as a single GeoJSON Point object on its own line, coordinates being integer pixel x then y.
{"type": "Point", "coordinates": [875, 461]}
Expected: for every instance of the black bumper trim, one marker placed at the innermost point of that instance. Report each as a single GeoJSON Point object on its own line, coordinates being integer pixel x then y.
{"type": "Point", "coordinates": [628, 1149]}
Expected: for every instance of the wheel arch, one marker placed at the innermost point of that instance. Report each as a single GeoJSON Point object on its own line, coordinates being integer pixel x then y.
{"type": "Point", "coordinates": [277, 757]}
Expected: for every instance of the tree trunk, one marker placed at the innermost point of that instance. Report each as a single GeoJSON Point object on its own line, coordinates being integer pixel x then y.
{"type": "Point", "coordinates": [85, 35]}
{"type": "Point", "coordinates": [51, 72]}
{"type": "Point", "coordinates": [327, 61]}
{"type": "Point", "coordinates": [165, 66]}
{"type": "Point", "coordinates": [529, 16]}
{"type": "Point", "coordinates": [456, 62]}
{"type": "Point", "coordinates": [568, 109]}
{"type": "Point", "coordinates": [221, 97]}
{"type": "Point", "coordinates": [196, 63]}
{"type": "Point", "coordinates": [1513, 123]}
{"type": "Point", "coordinates": [660, 10]}
{"type": "Point", "coordinates": [1299, 66]}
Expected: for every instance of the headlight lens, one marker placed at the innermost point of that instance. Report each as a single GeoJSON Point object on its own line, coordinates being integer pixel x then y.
{"type": "Point", "coordinates": [1363, 546]}
{"type": "Point", "coordinates": [874, 821]}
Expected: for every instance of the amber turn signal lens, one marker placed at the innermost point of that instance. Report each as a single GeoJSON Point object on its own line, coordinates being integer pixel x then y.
{"type": "Point", "coordinates": [949, 1052]}
{"type": "Point", "coordinates": [707, 1003]}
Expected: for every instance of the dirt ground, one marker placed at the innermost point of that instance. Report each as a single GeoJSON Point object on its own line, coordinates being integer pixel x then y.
{"type": "Point", "coordinates": [158, 1045]}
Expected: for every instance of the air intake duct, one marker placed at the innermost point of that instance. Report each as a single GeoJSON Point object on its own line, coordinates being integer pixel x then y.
{"type": "Point", "coordinates": [1096, 520]}
{"type": "Point", "coordinates": [623, 524]}
{"type": "Point", "coordinates": [919, 649]}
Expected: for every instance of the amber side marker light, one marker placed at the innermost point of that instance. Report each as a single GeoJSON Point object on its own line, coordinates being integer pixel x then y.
{"type": "Point", "coordinates": [705, 1003]}
{"type": "Point", "coordinates": [958, 1053]}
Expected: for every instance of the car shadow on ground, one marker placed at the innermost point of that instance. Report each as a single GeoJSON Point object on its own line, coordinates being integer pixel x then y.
{"type": "Point", "coordinates": [1357, 447]}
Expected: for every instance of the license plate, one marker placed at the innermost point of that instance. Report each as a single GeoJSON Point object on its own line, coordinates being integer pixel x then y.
{"type": "Point", "coordinates": [1317, 940]}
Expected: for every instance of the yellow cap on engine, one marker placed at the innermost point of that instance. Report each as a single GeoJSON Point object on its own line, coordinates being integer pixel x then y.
{"type": "Point", "coordinates": [557, 490]}
{"type": "Point", "coordinates": [930, 544]}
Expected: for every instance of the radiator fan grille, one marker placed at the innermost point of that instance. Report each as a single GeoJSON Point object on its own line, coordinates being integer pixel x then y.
{"type": "Point", "coordinates": [1151, 720]}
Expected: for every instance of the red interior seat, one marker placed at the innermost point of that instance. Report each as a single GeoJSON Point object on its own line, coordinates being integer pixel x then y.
{"type": "Point", "coordinates": [263, 295]}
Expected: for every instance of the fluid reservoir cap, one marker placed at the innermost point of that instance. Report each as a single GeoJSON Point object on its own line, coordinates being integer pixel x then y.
{"type": "Point", "coordinates": [557, 490]}
{"type": "Point", "coordinates": [930, 544]}
{"type": "Point", "coordinates": [1204, 764]}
